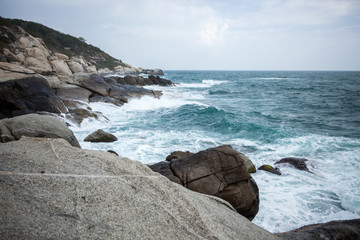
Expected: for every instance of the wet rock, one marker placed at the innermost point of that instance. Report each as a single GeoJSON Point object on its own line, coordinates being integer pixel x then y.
{"type": "Point", "coordinates": [156, 80]}
{"type": "Point", "coordinates": [113, 152]}
{"type": "Point", "coordinates": [100, 136]}
{"type": "Point", "coordinates": [28, 95]}
{"type": "Point", "coordinates": [298, 163]}
{"type": "Point", "coordinates": [336, 230]}
{"type": "Point", "coordinates": [35, 125]}
{"type": "Point", "coordinates": [119, 101]}
{"type": "Point", "coordinates": [270, 169]}
{"type": "Point", "coordinates": [79, 114]}
{"type": "Point", "coordinates": [219, 171]}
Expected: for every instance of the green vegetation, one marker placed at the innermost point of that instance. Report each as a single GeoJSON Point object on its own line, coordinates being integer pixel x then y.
{"type": "Point", "coordinates": [61, 43]}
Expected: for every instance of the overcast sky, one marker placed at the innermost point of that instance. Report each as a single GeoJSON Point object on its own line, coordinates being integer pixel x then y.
{"type": "Point", "coordinates": [209, 34]}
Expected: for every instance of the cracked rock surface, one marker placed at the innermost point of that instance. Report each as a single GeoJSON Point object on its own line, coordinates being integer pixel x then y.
{"type": "Point", "coordinates": [52, 190]}
{"type": "Point", "coordinates": [220, 172]}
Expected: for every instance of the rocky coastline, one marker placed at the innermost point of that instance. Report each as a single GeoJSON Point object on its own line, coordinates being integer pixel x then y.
{"type": "Point", "coordinates": [53, 189]}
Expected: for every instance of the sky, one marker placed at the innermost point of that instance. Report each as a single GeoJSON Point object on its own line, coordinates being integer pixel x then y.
{"type": "Point", "coordinates": [208, 34]}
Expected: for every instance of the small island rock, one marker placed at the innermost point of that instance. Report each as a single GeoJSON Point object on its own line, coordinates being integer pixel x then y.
{"type": "Point", "coordinates": [100, 136]}
{"type": "Point", "coordinates": [298, 163]}
{"type": "Point", "coordinates": [270, 169]}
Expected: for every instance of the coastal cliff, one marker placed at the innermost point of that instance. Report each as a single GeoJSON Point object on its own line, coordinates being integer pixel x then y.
{"type": "Point", "coordinates": [34, 77]}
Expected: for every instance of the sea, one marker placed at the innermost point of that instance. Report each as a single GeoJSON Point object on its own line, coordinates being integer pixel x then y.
{"type": "Point", "coordinates": [266, 115]}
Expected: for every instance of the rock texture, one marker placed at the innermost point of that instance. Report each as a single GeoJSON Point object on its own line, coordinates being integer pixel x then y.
{"type": "Point", "coordinates": [100, 136]}
{"type": "Point", "coordinates": [35, 125]}
{"type": "Point", "coordinates": [31, 76]}
{"type": "Point", "coordinates": [28, 95]}
{"type": "Point", "coordinates": [298, 163]}
{"type": "Point", "coordinates": [51, 190]}
{"type": "Point", "coordinates": [334, 230]}
{"type": "Point", "coordinates": [220, 172]}
{"type": "Point", "coordinates": [270, 169]}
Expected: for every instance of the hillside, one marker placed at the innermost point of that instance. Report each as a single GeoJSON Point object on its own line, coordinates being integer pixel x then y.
{"type": "Point", "coordinates": [61, 43]}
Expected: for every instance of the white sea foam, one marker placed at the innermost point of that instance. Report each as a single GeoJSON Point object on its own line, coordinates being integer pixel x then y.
{"type": "Point", "coordinates": [204, 83]}
{"type": "Point", "coordinates": [299, 198]}
{"type": "Point", "coordinates": [289, 201]}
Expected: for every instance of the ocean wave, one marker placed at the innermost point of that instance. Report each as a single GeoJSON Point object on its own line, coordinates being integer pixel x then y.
{"type": "Point", "coordinates": [206, 83]}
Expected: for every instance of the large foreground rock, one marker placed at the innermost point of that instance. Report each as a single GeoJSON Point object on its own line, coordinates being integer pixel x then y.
{"type": "Point", "coordinates": [51, 190]}
{"type": "Point", "coordinates": [334, 230]}
{"type": "Point", "coordinates": [221, 172]}
{"type": "Point", "coordinates": [35, 125]}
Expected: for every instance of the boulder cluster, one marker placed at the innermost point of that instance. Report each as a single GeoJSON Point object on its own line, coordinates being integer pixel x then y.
{"type": "Point", "coordinates": [35, 79]}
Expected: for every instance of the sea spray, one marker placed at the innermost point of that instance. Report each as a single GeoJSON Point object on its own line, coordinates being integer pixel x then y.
{"type": "Point", "coordinates": [265, 115]}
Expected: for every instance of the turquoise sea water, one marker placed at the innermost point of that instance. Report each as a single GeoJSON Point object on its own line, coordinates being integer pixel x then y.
{"type": "Point", "coordinates": [266, 116]}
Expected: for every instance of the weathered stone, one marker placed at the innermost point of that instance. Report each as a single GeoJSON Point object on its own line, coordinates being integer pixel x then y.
{"type": "Point", "coordinates": [131, 80]}
{"type": "Point", "coordinates": [75, 67]}
{"type": "Point", "coordinates": [14, 68]}
{"type": "Point", "coordinates": [92, 82]}
{"type": "Point", "coordinates": [298, 163]}
{"type": "Point", "coordinates": [270, 169]}
{"type": "Point", "coordinates": [28, 95]}
{"type": "Point", "coordinates": [54, 82]}
{"type": "Point", "coordinates": [100, 136]}
{"type": "Point", "coordinates": [128, 91]}
{"type": "Point", "coordinates": [336, 230]}
{"type": "Point", "coordinates": [78, 114]}
{"type": "Point", "coordinates": [61, 56]}
{"type": "Point", "coordinates": [73, 92]}
{"type": "Point", "coordinates": [154, 71]}
{"type": "Point", "coordinates": [60, 67]}
{"type": "Point", "coordinates": [160, 81]}
{"type": "Point", "coordinates": [51, 190]}
{"type": "Point", "coordinates": [118, 100]}
{"type": "Point", "coordinates": [35, 125]}
{"type": "Point", "coordinates": [178, 155]}
{"type": "Point", "coordinates": [219, 171]}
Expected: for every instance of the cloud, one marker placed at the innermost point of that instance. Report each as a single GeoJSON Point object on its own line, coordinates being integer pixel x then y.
{"type": "Point", "coordinates": [208, 34]}
{"type": "Point", "coordinates": [213, 33]}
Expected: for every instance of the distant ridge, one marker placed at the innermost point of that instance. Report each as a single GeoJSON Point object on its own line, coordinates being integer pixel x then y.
{"type": "Point", "coordinates": [62, 43]}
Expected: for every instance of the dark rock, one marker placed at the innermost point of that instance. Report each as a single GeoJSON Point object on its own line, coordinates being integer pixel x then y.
{"type": "Point", "coordinates": [127, 91]}
{"type": "Point", "coordinates": [219, 171]}
{"type": "Point", "coordinates": [79, 114]}
{"type": "Point", "coordinates": [270, 169]}
{"type": "Point", "coordinates": [334, 230]}
{"type": "Point", "coordinates": [164, 169]}
{"type": "Point", "coordinates": [100, 136]}
{"type": "Point", "coordinates": [298, 163]}
{"type": "Point", "coordinates": [113, 152]}
{"type": "Point", "coordinates": [94, 83]}
{"type": "Point", "coordinates": [119, 101]}
{"type": "Point", "coordinates": [73, 92]}
{"type": "Point", "coordinates": [28, 95]}
{"type": "Point", "coordinates": [178, 155]}
{"type": "Point", "coordinates": [35, 125]}
{"type": "Point", "coordinates": [160, 81]}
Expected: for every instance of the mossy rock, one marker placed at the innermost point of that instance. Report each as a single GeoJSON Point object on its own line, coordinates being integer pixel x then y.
{"type": "Point", "coordinates": [252, 170]}
{"type": "Point", "coordinates": [270, 169]}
